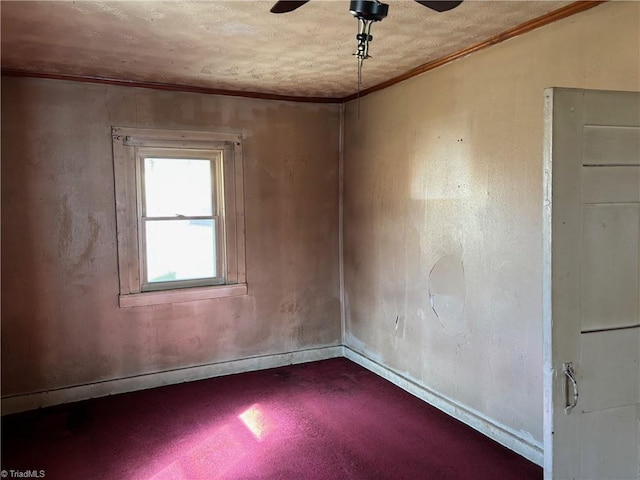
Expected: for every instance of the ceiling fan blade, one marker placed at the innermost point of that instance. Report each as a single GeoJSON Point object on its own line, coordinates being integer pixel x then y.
{"type": "Point", "coordinates": [438, 6]}
{"type": "Point", "coordinates": [286, 6]}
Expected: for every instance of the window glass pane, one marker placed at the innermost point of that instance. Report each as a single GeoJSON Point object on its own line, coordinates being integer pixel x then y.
{"type": "Point", "coordinates": [180, 250]}
{"type": "Point", "coordinates": [177, 187]}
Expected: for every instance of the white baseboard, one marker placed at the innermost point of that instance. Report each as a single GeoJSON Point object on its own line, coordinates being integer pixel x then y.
{"type": "Point", "coordinates": [32, 401]}
{"type": "Point", "coordinates": [500, 433]}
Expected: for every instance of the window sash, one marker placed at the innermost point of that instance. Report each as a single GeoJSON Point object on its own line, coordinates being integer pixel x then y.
{"type": "Point", "coordinates": [218, 279]}
{"type": "Point", "coordinates": [215, 157]}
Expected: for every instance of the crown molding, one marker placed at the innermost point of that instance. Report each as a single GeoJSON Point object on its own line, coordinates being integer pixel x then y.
{"type": "Point", "coordinates": [564, 12]}
{"type": "Point", "coordinates": [521, 29]}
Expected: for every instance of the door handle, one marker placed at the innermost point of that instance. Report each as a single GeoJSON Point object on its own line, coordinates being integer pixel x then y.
{"type": "Point", "coordinates": [570, 373]}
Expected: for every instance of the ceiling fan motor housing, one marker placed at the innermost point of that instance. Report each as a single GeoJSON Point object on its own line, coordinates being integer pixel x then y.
{"type": "Point", "coordinates": [369, 10]}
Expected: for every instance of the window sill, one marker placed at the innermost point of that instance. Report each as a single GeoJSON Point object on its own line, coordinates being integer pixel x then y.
{"type": "Point", "coordinates": [181, 295]}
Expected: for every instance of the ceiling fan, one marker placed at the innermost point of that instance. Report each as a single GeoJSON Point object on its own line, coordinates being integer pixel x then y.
{"type": "Point", "coordinates": [285, 6]}
{"type": "Point", "coordinates": [366, 12]}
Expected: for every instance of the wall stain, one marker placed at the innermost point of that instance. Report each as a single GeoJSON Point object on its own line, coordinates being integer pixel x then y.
{"type": "Point", "coordinates": [68, 237]}
{"type": "Point", "coordinates": [65, 226]}
{"type": "Point", "coordinates": [399, 326]}
{"type": "Point", "coordinates": [85, 255]}
{"type": "Point", "coordinates": [289, 307]}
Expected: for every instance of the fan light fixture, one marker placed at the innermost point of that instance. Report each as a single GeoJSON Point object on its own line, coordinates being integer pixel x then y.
{"type": "Point", "coordinates": [366, 12]}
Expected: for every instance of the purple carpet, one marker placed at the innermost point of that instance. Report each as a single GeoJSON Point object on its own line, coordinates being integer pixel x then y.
{"type": "Point", "coordinates": [324, 420]}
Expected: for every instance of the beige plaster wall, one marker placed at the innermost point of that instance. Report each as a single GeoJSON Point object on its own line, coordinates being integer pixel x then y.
{"type": "Point", "coordinates": [443, 212]}
{"type": "Point", "coordinates": [61, 324]}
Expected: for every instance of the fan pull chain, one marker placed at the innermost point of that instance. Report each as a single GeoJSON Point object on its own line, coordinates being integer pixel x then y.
{"type": "Point", "coordinates": [360, 62]}
{"type": "Point", "coordinates": [363, 37]}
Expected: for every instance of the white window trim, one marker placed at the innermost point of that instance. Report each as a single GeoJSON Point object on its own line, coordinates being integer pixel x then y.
{"type": "Point", "coordinates": [126, 141]}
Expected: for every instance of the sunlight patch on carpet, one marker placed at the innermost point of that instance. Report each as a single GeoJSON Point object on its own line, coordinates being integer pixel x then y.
{"type": "Point", "coordinates": [256, 421]}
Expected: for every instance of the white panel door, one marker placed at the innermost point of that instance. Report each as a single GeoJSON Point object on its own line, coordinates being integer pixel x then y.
{"type": "Point", "coordinates": [592, 285]}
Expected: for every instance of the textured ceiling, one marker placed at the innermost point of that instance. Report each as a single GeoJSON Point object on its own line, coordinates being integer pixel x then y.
{"type": "Point", "coordinates": [239, 45]}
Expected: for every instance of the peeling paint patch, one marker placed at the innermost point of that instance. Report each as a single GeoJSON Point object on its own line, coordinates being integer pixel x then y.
{"type": "Point", "coordinates": [447, 292]}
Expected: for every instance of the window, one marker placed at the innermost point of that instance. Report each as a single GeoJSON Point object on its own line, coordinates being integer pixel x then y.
{"type": "Point", "coordinates": [180, 218]}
